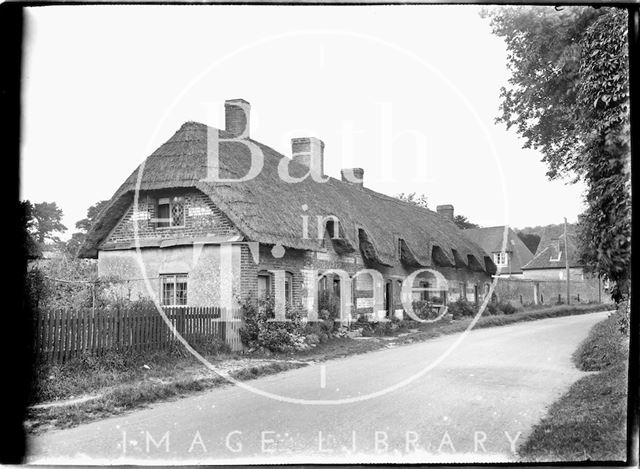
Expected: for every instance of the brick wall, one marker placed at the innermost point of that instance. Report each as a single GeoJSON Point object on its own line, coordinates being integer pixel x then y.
{"type": "Point", "coordinates": [294, 261]}
{"type": "Point", "coordinates": [201, 218]}
{"type": "Point", "coordinates": [523, 291]}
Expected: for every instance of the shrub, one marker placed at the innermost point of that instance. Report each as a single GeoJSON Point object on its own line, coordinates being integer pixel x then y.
{"type": "Point", "coordinates": [506, 308]}
{"type": "Point", "coordinates": [318, 332]}
{"type": "Point", "coordinates": [276, 336]}
{"type": "Point", "coordinates": [492, 308]}
{"type": "Point", "coordinates": [328, 305]}
{"type": "Point", "coordinates": [461, 308]}
{"type": "Point", "coordinates": [425, 309]}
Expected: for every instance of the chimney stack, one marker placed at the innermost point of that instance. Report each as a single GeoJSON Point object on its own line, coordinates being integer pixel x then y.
{"type": "Point", "coordinates": [308, 151]}
{"type": "Point", "coordinates": [445, 211]}
{"type": "Point", "coordinates": [236, 117]}
{"type": "Point", "coordinates": [353, 176]}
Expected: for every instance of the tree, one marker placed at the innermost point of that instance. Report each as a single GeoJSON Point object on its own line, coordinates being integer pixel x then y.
{"type": "Point", "coordinates": [568, 97]}
{"type": "Point", "coordinates": [77, 239]}
{"type": "Point", "coordinates": [530, 240]}
{"type": "Point", "coordinates": [30, 247]}
{"type": "Point", "coordinates": [462, 222]}
{"type": "Point", "coordinates": [412, 198]}
{"type": "Point", "coordinates": [45, 220]}
{"type": "Point", "coordinates": [85, 224]}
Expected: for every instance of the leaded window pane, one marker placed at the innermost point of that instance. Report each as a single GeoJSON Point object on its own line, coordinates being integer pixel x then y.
{"type": "Point", "coordinates": [177, 212]}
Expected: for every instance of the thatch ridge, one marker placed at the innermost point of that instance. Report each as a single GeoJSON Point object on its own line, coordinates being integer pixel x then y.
{"type": "Point", "coordinates": [268, 210]}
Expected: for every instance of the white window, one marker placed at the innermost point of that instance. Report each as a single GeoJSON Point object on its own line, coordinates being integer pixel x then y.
{"type": "Point", "coordinates": [557, 258]}
{"type": "Point", "coordinates": [500, 258]}
{"type": "Point", "coordinates": [170, 212]}
{"type": "Point", "coordinates": [173, 290]}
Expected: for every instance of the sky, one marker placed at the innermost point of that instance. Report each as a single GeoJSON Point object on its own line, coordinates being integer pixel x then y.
{"type": "Point", "coordinates": [409, 93]}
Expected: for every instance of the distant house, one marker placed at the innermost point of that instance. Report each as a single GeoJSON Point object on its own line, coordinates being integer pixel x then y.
{"type": "Point", "coordinates": [191, 237]}
{"type": "Point", "coordinates": [549, 263]}
{"type": "Point", "coordinates": [508, 258]}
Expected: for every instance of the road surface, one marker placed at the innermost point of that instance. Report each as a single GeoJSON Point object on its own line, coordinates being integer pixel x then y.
{"type": "Point", "coordinates": [476, 403]}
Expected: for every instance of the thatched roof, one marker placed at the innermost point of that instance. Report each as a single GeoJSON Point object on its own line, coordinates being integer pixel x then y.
{"type": "Point", "coordinates": [268, 210]}
{"type": "Point", "coordinates": [490, 239]}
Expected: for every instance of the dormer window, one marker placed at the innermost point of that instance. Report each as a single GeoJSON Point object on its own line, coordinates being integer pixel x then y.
{"type": "Point", "coordinates": [500, 258]}
{"type": "Point", "coordinates": [557, 257]}
{"type": "Point", "coordinates": [170, 212]}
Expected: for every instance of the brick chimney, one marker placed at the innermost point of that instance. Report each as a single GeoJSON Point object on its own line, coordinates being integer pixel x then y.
{"type": "Point", "coordinates": [308, 151]}
{"type": "Point", "coordinates": [236, 117]}
{"type": "Point", "coordinates": [353, 176]}
{"type": "Point", "coordinates": [445, 211]}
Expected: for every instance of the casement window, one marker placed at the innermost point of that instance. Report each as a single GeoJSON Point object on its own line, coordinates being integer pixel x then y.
{"type": "Point", "coordinates": [288, 287]}
{"type": "Point", "coordinates": [424, 295]}
{"type": "Point", "coordinates": [173, 290]}
{"type": "Point", "coordinates": [500, 258]}
{"type": "Point", "coordinates": [264, 286]}
{"type": "Point", "coordinates": [170, 212]}
{"type": "Point", "coordinates": [472, 293]}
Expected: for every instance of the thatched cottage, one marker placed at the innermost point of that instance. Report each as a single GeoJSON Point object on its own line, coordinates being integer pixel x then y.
{"type": "Point", "coordinates": [174, 231]}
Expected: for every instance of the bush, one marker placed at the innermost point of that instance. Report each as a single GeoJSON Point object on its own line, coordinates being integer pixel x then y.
{"type": "Point", "coordinates": [499, 307]}
{"type": "Point", "coordinates": [276, 336]}
{"type": "Point", "coordinates": [425, 309]}
{"type": "Point", "coordinates": [461, 308]}
{"type": "Point", "coordinates": [492, 308]}
{"type": "Point", "coordinates": [328, 305]}
{"type": "Point", "coordinates": [506, 308]}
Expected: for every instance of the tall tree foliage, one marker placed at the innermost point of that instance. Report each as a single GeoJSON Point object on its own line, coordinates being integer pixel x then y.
{"type": "Point", "coordinates": [43, 220]}
{"type": "Point", "coordinates": [568, 98]}
{"type": "Point", "coordinates": [77, 239]}
{"type": "Point", "coordinates": [463, 222]}
{"type": "Point", "coordinates": [530, 240]}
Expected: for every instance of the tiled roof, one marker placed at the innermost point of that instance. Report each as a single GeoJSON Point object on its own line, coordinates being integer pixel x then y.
{"type": "Point", "coordinates": [551, 254]}
{"type": "Point", "coordinates": [491, 239]}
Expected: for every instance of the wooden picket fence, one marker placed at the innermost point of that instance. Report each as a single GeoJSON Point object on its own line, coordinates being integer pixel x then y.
{"type": "Point", "coordinates": [63, 334]}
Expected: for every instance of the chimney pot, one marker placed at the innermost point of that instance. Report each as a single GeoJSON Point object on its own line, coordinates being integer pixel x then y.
{"type": "Point", "coordinates": [445, 211]}
{"type": "Point", "coordinates": [353, 176]}
{"type": "Point", "coordinates": [308, 151]}
{"type": "Point", "coordinates": [236, 117]}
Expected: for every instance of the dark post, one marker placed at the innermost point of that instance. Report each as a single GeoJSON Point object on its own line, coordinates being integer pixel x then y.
{"type": "Point", "coordinates": [566, 261]}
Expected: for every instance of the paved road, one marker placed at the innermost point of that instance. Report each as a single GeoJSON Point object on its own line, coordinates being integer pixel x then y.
{"type": "Point", "coordinates": [477, 404]}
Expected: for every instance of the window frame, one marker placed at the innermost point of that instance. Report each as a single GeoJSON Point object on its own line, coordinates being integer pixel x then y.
{"type": "Point", "coordinates": [497, 256]}
{"type": "Point", "coordinates": [267, 276]}
{"type": "Point", "coordinates": [288, 280]}
{"type": "Point", "coordinates": [175, 277]}
{"type": "Point", "coordinates": [171, 202]}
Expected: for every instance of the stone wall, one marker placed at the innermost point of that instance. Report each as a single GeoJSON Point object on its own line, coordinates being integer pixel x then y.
{"type": "Point", "coordinates": [528, 291]}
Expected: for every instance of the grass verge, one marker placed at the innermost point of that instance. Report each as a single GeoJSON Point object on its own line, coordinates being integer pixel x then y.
{"type": "Point", "coordinates": [134, 395]}
{"type": "Point", "coordinates": [126, 382]}
{"type": "Point", "coordinates": [588, 423]}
